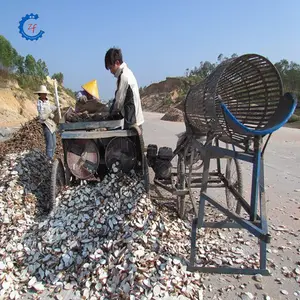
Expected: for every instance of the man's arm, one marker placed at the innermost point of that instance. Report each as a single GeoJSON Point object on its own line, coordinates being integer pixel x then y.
{"type": "Point", "coordinates": [81, 97]}
{"type": "Point", "coordinates": [121, 94]}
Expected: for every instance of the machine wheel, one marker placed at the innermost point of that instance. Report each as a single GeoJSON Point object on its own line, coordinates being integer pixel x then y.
{"type": "Point", "coordinates": [181, 184]}
{"type": "Point", "coordinates": [58, 181]}
{"type": "Point", "coordinates": [234, 177]}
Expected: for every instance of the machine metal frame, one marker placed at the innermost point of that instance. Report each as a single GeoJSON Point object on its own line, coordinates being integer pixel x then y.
{"type": "Point", "coordinates": [94, 131]}
{"type": "Point", "coordinates": [240, 103]}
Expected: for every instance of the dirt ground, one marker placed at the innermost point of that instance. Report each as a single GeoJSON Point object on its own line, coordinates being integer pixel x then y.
{"type": "Point", "coordinates": [282, 184]}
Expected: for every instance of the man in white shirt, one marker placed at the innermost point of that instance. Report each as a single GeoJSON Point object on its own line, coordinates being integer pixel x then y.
{"type": "Point", "coordinates": [45, 112]}
{"type": "Point", "coordinates": [127, 100]}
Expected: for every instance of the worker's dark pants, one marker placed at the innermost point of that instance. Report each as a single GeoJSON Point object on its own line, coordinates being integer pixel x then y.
{"type": "Point", "coordinates": [50, 139]}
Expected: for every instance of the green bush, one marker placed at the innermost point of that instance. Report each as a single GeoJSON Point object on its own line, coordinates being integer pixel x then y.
{"type": "Point", "coordinates": [69, 92]}
{"type": "Point", "coordinates": [29, 82]}
{"type": "Point", "coordinates": [294, 118]}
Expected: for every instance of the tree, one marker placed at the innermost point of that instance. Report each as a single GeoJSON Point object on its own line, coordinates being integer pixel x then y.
{"type": "Point", "coordinates": [59, 77]}
{"type": "Point", "coordinates": [30, 65]}
{"type": "Point", "coordinates": [290, 75]}
{"type": "Point", "coordinates": [8, 54]}
{"type": "Point", "coordinates": [220, 57]}
{"type": "Point", "coordinates": [42, 70]}
{"type": "Point", "coordinates": [203, 70]}
{"type": "Point", "coordinates": [20, 64]}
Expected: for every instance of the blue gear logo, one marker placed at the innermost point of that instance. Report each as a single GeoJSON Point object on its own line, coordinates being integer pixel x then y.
{"type": "Point", "coordinates": [31, 27]}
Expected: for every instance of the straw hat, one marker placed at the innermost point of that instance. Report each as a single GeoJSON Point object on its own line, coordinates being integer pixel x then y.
{"type": "Point", "coordinates": [42, 90]}
{"type": "Point", "coordinates": [92, 88]}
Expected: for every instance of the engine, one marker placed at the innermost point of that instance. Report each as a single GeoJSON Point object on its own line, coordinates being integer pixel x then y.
{"type": "Point", "coordinates": [160, 162]}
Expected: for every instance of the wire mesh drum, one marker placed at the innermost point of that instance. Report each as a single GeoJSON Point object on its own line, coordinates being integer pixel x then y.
{"type": "Point", "coordinates": [249, 86]}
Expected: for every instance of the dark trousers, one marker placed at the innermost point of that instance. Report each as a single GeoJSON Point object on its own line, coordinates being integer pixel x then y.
{"type": "Point", "coordinates": [50, 139]}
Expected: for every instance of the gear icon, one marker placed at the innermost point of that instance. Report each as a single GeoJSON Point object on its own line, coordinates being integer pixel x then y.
{"type": "Point", "coordinates": [21, 28]}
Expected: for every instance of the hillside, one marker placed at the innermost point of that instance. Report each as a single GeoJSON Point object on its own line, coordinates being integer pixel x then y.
{"type": "Point", "coordinates": [167, 97]}
{"type": "Point", "coordinates": [159, 97]}
{"type": "Point", "coordinates": [18, 105]}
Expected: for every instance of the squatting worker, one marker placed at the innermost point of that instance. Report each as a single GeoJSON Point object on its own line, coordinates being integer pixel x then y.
{"type": "Point", "coordinates": [127, 100]}
{"type": "Point", "coordinates": [45, 112]}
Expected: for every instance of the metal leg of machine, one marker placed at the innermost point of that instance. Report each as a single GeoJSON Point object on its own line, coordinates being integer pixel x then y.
{"type": "Point", "coordinates": [256, 224]}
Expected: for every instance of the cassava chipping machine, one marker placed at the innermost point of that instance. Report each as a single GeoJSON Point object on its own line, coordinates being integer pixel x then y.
{"type": "Point", "coordinates": [229, 116]}
{"type": "Point", "coordinates": [92, 145]}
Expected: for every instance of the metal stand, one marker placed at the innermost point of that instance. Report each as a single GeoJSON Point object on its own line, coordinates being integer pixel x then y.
{"type": "Point", "coordinates": [256, 224]}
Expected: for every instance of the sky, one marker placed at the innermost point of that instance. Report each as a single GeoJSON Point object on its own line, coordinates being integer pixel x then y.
{"type": "Point", "coordinates": [158, 38]}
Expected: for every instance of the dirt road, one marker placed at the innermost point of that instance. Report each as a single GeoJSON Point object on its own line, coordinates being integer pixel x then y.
{"type": "Point", "coordinates": [282, 182]}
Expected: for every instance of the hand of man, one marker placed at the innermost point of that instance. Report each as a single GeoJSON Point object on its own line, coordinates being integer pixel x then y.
{"type": "Point", "coordinates": [53, 108]}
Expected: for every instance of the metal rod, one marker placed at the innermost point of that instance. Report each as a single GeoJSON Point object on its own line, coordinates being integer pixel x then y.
{"type": "Point", "coordinates": [255, 178]}
{"type": "Point", "coordinates": [227, 153]}
{"type": "Point", "coordinates": [199, 185]}
{"type": "Point", "coordinates": [203, 188]}
{"type": "Point", "coordinates": [189, 182]}
{"type": "Point", "coordinates": [169, 189]}
{"type": "Point", "coordinates": [265, 145]}
{"type": "Point", "coordinates": [237, 195]}
{"type": "Point", "coordinates": [218, 159]}
{"type": "Point", "coordinates": [199, 180]}
{"type": "Point", "coordinates": [57, 99]}
{"type": "Point", "coordinates": [193, 241]}
{"type": "Point", "coordinates": [263, 210]}
{"type": "Point", "coordinates": [199, 174]}
{"type": "Point", "coordinates": [263, 213]}
{"type": "Point", "coordinates": [229, 270]}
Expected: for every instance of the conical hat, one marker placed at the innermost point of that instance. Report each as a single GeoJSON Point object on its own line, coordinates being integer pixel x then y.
{"type": "Point", "coordinates": [92, 88]}
{"type": "Point", "coordinates": [42, 90]}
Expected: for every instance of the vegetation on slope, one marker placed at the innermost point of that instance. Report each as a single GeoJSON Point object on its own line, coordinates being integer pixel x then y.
{"type": "Point", "coordinates": [289, 72]}
{"type": "Point", "coordinates": [29, 72]}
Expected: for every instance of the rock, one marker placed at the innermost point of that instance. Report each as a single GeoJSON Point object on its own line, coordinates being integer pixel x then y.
{"type": "Point", "coordinates": [38, 286]}
{"type": "Point", "coordinates": [156, 291]}
{"type": "Point", "coordinates": [284, 292]}
{"type": "Point", "coordinates": [246, 296]}
{"type": "Point", "coordinates": [258, 277]}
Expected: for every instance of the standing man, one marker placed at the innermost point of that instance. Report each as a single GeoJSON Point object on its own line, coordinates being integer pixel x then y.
{"type": "Point", "coordinates": [127, 100]}
{"type": "Point", "coordinates": [45, 112]}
